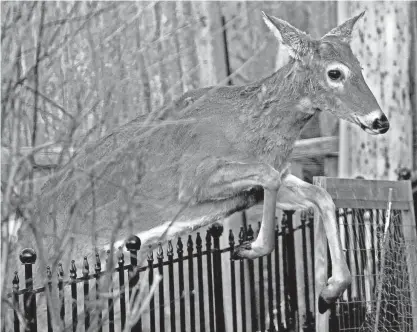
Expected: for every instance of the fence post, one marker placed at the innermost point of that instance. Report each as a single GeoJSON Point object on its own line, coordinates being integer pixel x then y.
{"type": "Point", "coordinates": [216, 231]}
{"type": "Point", "coordinates": [28, 258]}
{"type": "Point", "coordinates": [133, 246]}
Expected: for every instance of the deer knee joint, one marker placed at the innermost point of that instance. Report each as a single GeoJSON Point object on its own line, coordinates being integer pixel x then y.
{"type": "Point", "coordinates": [324, 201]}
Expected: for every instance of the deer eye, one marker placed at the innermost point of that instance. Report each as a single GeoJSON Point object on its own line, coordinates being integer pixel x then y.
{"type": "Point", "coordinates": [334, 74]}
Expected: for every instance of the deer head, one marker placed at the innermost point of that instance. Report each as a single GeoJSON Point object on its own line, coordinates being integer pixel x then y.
{"type": "Point", "coordinates": [333, 73]}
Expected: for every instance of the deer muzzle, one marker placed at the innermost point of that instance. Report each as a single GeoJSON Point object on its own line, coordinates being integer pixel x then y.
{"type": "Point", "coordinates": [374, 123]}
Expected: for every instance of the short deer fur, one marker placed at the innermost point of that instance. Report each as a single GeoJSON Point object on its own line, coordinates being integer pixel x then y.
{"type": "Point", "coordinates": [213, 152]}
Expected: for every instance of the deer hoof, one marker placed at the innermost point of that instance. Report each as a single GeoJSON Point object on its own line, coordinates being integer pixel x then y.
{"type": "Point", "coordinates": [250, 250]}
{"type": "Point", "coordinates": [323, 305]}
{"type": "Point", "coordinates": [241, 251]}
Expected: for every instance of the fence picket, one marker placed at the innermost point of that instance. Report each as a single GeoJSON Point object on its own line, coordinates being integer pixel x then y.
{"type": "Point", "coordinates": [160, 257]}
{"type": "Point", "coordinates": [216, 231]}
{"type": "Point", "coordinates": [292, 277]}
{"type": "Point", "coordinates": [261, 288]}
{"type": "Point", "coordinates": [110, 300]}
{"type": "Point", "coordinates": [278, 280]}
{"type": "Point", "coordinates": [28, 258]}
{"type": "Point", "coordinates": [48, 307]}
{"type": "Point", "coordinates": [86, 287]}
{"type": "Point", "coordinates": [15, 283]}
{"type": "Point", "coordinates": [181, 283]}
{"type": "Point", "coordinates": [271, 327]}
{"type": "Point", "coordinates": [254, 316]}
{"type": "Point", "coordinates": [170, 254]}
{"type": "Point", "coordinates": [61, 293]}
{"type": "Point", "coordinates": [242, 238]}
{"type": "Point", "coordinates": [97, 270]}
{"type": "Point", "coordinates": [191, 282]}
{"type": "Point", "coordinates": [73, 276]}
{"type": "Point", "coordinates": [150, 279]}
{"type": "Point", "coordinates": [232, 279]}
{"type": "Point", "coordinates": [210, 280]}
{"type": "Point", "coordinates": [199, 246]}
{"type": "Point", "coordinates": [308, 323]}
{"type": "Point", "coordinates": [133, 246]}
{"type": "Point", "coordinates": [122, 288]}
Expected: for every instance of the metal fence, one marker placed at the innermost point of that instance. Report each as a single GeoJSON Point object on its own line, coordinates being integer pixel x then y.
{"type": "Point", "coordinates": [195, 293]}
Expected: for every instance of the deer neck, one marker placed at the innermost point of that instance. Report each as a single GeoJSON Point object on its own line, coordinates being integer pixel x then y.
{"type": "Point", "coordinates": [281, 106]}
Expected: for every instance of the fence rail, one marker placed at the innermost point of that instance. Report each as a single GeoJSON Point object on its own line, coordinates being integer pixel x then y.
{"type": "Point", "coordinates": [192, 295]}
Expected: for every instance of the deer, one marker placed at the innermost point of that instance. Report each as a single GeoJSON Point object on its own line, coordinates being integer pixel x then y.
{"type": "Point", "coordinates": [212, 152]}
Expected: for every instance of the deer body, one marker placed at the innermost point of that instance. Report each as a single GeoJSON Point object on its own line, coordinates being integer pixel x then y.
{"type": "Point", "coordinates": [211, 153]}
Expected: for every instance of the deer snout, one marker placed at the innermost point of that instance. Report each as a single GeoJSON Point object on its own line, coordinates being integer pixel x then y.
{"type": "Point", "coordinates": [374, 123]}
{"type": "Point", "coordinates": [381, 124]}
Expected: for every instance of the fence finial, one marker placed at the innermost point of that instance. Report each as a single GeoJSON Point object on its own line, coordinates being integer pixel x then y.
{"type": "Point", "coordinates": [179, 246]}
{"type": "Point", "coordinates": [190, 244]}
{"type": "Point", "coordinates": [170, 250]}
{"type": "Point", "coordinates": [150, 253]}
{"type": "Point", "coordinates": [160, 252]}
{"type": "Point", "coordinates": [97, 268]}
{"type": "Point", "coordinates": [121, 257]}
{"type": "Point", "coordinates": [28, 256]}
{"type": "Point", "coordinates": [133, 243]}
{"type": "Point", "coordinates": [231, 239]}
{"type": "Point", "coordinates": [73, 270]}
{"type": "Point", "coordinates": [60, 271]}
{"type": "Point", "coordinates": [242, 235]}
{"type": "Point", "coordinates": [15, 281]}
{"type": "Point", "coordinates": [216, 230]}
{"type": "Point", "coordinates": [249, 233]}
{"type": "Point", "coordinates": [198, 241]}
{"type": "Point", "coordinates": [49, 273]}
{"type": "Point", "coordinates": [86, 267]}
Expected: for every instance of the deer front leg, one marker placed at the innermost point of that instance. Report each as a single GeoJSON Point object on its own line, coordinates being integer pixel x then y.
{"type": "Point", "coordinates": [295, 194]}
{"type": "Point", "coordinates": [222, 180]}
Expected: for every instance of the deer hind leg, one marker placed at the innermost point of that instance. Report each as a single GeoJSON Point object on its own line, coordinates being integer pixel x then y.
{"type": "Point", "coordinates": [229, 179]}
{"type": "Point", "coordinates": [295, 194]}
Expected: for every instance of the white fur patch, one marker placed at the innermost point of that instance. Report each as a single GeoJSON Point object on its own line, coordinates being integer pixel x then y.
{"type": "Point", "coordinates": [343, 69]}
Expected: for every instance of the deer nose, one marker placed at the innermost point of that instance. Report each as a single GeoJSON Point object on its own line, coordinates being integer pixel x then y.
{"type": "Point", "coordinates": [381, 124]}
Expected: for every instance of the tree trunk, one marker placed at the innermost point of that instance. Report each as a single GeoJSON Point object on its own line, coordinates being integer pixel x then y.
{"type": "Point", "coordinates": [383, 44]}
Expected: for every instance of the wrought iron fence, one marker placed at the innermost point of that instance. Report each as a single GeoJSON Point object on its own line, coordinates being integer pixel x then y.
{"type": "Point", "coordinates": [195, 294]}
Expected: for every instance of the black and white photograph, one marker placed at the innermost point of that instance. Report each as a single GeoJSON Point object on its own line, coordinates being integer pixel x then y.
{"type": "Point", "coordinates": [208, 166]}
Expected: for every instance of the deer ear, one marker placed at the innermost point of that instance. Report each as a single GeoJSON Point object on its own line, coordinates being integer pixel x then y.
{"type": "Point", "coordinates": [344, 30]}
{"type": "Point", "coordinates": [297, 42]}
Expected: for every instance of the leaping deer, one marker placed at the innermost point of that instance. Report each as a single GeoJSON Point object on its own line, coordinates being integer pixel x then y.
{"type": "Point", "coordinates": [216, 151]}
